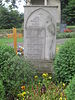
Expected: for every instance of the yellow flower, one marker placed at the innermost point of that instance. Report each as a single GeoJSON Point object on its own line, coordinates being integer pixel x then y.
{"type": "Point", "coordinates": [39, 83]}
{"type": "Point", "coordinates": [60, 98]}
{"type": "Point", "coordinates": [23, 94]}
{"type": "Point", "coordinates": [36, 77]}
{"type": "Point", "coordinates": [65, 99]}
{"type": "Point", "coordinates": [57, 49]}
{"type": "Point", "coordinates": [63, 84]}
{"type": "Point", "coordinates": [50, 77]}
{"type": "Point", "coordinates": [61, 94]}
{"type": "Point", "coordinates": [45, 75]}
{"type": "Point", "coordinates": [21, 49]}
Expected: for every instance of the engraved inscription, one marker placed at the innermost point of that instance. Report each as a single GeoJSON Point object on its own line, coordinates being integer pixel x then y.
{"type": "Point", "coordinates": [40, 36]}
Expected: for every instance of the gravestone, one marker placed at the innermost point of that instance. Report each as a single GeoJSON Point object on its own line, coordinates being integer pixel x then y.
{"type": "Point", "coordinates": [62, 27]}
{"type": "Point", "coordinates": [40, 35]}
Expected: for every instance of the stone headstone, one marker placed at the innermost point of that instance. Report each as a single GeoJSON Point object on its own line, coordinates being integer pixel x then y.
{"type": "Point", "coordinates": [40, 35]}
{"type": "Point", "coordinates": [62, 27]}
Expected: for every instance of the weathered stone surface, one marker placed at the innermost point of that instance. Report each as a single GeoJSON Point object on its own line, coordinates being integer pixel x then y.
{"type": "Point", "coordinates": [50, 3]}
{"type": "Point", "coordinates": [43, 66]}
{"type": "Point", "coordinates": [40, 35]}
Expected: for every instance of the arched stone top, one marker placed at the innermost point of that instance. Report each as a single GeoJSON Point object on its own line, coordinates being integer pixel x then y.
{"type": "Point", "coordinates": [39, 18]}
{"type": "Point", "coordinates": [40, 35]}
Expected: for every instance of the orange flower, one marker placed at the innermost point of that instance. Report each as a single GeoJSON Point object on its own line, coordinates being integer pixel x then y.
{"type": "Point", "coordinates": [23, 87]}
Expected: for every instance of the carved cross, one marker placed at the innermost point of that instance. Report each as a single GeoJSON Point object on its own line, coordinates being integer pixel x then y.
{"type": "Point", "coordinates": [15, 39]}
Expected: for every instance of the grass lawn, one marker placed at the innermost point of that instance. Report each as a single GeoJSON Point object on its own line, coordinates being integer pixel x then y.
{"type": "Point", "coordinates": [70, 26]}
{"type": "Point", "coordinates": [9, 40]}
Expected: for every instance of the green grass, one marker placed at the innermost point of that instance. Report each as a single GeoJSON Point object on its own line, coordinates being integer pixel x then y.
{"type": "Point", "coordinates": [65, 35]}
{"type": "Point", "coordinates": [10, 40]}
{"type": "Point", "coordinates": [71, 27]}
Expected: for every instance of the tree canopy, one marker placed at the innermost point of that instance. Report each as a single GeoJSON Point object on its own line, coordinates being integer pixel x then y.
{"type": "Point", "coordinates": [10, 18]}
{"type": "Point", "coordinates": [13, 2]}
{"type": "Point", "coordinates": [68, 11]}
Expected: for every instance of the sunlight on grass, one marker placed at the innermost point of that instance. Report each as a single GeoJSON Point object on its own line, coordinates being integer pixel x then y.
{"type": "Point", "coordinates": [71, 26]}
{"type": "Point", "coordinates": [7, 41]}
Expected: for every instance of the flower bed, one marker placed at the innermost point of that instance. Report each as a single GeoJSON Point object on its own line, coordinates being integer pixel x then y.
{"type": "Point", "coordinates": [43, 88]}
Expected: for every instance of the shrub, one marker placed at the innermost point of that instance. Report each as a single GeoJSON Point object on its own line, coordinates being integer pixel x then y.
{"type": "Point", "coordinates": [16, 72]}
{"type": "Point", "coordinates": [65, 35]}
{"type": "Point", "coordinates": [6, 53]}
{"type": "Point", "coordinates": [70, 90]}
{"type": "Point", "coordinates": [64, 64]}
{"type": "Point", "coordinates": [2, 92]}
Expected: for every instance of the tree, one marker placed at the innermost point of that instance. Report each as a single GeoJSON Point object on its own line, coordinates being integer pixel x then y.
{"type": "Point", "coordinates": [0, 3]}
{"type": "Point", "coordinates": [64, 3]}
{"type": "Point", "coordinates": [10, 19]}
{"type": "Point", "coordinates": [68, 13]}
{"type": "Point", "coordinates": [13, 2]}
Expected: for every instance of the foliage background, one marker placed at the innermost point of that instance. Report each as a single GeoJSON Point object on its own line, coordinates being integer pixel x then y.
{"type": "Point", "coordinates": [70, 90]}
{"type": "Point", "coordinates": [10, 18]}
{"type": "Point", "coordinates": [64, 64]}
{"type": "Point", "coordinates": [2, 91]}
{"type": "Point", "coordinates": [68, 11]}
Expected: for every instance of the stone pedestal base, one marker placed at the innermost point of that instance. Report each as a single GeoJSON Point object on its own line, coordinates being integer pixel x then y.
{"type": "Point", "coordinates": [43, 66]}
